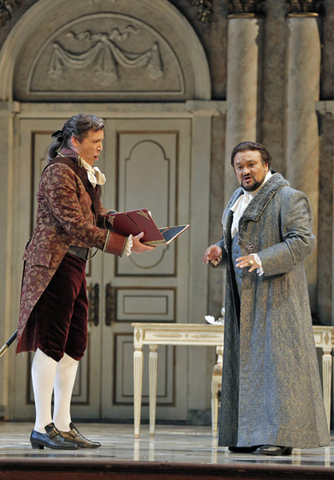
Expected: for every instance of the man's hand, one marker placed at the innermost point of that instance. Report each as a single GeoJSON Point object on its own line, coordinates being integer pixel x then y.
{"type": "Point", "coordinates": [212, 253]}
{"type": "Point", "coordinates": [247, 261]}
{"type": "Point", "coordinates": [139, 247]}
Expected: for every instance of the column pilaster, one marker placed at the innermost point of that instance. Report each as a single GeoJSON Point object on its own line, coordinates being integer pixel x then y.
{"type": "Point", "coordinates": [325, 291]}
{"type": "Point", "coordinates": [245, 37]}
{"type": "Point", "coordinates": [302, 139]}
{"type": "Point", "coordinates": [7, 324]}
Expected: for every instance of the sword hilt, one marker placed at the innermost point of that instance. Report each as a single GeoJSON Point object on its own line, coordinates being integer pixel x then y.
{"type": "Point", "coordinates": [3, 349]}
{"type": "Point", "coordinates": [8, 343]}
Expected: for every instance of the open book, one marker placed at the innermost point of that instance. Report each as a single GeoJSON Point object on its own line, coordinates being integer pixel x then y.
{"type": "Point", "coordinates": [136, 221]}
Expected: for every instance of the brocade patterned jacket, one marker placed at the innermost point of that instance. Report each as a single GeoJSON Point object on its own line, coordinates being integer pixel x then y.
{"type": "Point", "coordinates": [68, 214]}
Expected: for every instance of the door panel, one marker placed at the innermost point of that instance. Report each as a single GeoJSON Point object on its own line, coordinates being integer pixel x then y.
{"type": "Point", "coordinates": [124, 382]}
{"type": "Point", "coordinates": [151, 160]}
{"type": "Point", "coordinates": [147, 167]}
{"type": "Point", "coordinates": [146, 304]}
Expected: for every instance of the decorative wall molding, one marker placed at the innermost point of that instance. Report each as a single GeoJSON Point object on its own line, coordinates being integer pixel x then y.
{"type": "Point", "coordinates": [305, 6]}
{"type": "Point", "coordinates": [236, 7]}
{"type": "Point", "coordinates": [6, 9]}
{"type": "Point", "coordinates": [257, 6]}
{"type": "Point", "coordinates": [205, 10]}
{"type": "Point", "coordinates": [105, 56]}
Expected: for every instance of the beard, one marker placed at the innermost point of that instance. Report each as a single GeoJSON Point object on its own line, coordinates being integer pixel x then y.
{"type": "Point", "coordinates": [254, 186]}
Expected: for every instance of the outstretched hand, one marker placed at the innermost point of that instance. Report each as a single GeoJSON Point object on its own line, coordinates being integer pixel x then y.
{"type": "Point", "coordinates": [247, 261]}
{"type": "Point", "coordinates": [212, 253]}
{"type": "Point", "coordinates": [138, 246]}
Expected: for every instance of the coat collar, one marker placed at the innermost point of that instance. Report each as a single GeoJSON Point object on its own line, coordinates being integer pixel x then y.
{"type": "Point", "coordinates": [259, 202]}
{"type": "Point", "coordinates": [71, 159]}
{"type": "Point", "coordinates": [263, 197]}
{"type": "Point", "coordinates": [69, 153]}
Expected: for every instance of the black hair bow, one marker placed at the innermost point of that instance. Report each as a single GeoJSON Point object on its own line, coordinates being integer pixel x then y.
{"type": "Point", "coordinates": [57, 134]}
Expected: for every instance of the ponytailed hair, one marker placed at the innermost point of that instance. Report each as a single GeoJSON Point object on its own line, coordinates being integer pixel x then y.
{"type": "Point", "coordinates": [77, 126]}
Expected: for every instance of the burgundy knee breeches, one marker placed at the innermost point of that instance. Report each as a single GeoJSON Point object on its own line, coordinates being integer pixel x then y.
{"type": "Point", "coordinates": [61, 312]}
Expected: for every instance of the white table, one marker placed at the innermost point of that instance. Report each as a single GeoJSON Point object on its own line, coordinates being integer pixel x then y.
{"type": "Point", "coordinates": [154, 334]}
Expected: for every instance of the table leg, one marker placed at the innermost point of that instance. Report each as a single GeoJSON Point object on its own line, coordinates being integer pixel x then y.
{"type": "Point", "coordinates": [153, 368]}
{"type": "Point", "coordinates": [214, 405]}
{"type": "Point", "coordinates": [327, 383]}
{"type": "Point", "coordinates": [137, 386]}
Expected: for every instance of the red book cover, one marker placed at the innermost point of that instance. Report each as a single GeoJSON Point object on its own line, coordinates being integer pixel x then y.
{"type": "Point", "coordinates": [136, 221]}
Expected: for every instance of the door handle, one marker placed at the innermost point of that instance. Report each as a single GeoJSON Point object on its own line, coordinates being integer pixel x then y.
{"type": "Point", "coordinates": [93, 303]}
{"type": "Point", "coordinates": [110, 305]}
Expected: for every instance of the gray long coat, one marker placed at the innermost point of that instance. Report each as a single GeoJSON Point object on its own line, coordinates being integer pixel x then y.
{"type": "Point", "coordinates": [271, 391]}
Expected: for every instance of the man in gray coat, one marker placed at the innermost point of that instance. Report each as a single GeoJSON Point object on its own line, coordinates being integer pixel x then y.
{"type": "Point", "coordinates": [271, 399]}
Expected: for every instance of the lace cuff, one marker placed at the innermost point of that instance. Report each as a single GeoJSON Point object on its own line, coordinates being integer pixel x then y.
{"type": "Point", "coordinates": [218, 260]}
{"type": "Point", "coordinates": [128, 246]}
{"type": "Point", "coordinates": [259, 270]}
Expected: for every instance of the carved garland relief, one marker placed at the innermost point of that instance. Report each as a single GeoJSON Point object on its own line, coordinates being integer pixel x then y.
{"type": "Point", "coordinates": [105, 56]}
{"type": "Point", "coordinates": [113, 52]}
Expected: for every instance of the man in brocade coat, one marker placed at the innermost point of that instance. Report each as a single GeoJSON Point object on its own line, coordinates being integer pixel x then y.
{"type": "Point", "coordinates": [53, 310]}
{"type": "Point", "coordinates": [271, 398]}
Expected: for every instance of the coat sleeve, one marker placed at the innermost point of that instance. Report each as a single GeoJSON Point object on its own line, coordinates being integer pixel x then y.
{"type": "Point", "coordinates": [102, 216]}
{"type": "Point", "coordinates": [60, 190]}
{"type": "Point", "coordinates": [298, 241]}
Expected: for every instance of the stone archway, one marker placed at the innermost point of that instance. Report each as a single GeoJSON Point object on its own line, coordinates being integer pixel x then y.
{"type": "Point", "coordinates": [106, 50]}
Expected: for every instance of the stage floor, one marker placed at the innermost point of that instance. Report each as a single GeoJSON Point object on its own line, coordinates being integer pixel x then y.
{"type": "Point", "coordinates": [183, 445]}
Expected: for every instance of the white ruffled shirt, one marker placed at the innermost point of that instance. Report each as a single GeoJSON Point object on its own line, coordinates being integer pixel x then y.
{"type": "Point", "coordinates": [238, 209]}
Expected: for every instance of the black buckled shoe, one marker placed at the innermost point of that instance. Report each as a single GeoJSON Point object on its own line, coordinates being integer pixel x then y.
{"type": "Point", "coordinates": [242, 449]}
{"type": "Point", "coordinates": [273, 450]}
{"type": "Point", "coordinates": [51, 439]}
{"type": "Point", "coordinates": [75, 436]}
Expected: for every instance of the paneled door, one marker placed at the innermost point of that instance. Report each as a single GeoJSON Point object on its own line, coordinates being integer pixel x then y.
{"type": "Point", "coordinates": [149, 161]}
{"type": "Point", "coordinates": [147, 165]}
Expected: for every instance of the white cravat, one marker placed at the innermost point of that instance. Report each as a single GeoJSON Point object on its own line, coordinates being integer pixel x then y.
{"type": "Point", "coordinates": [241, 204]}
{"type": "Point", "coordinates": [95, 176]}
{"type": "Point", "coordinates": [238, 209]}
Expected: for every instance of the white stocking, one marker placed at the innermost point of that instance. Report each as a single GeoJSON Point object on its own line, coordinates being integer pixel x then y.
{"type": "Point", "coordinates": [64, 382]}
{"type": "Point", "coordinates": [43, 373]}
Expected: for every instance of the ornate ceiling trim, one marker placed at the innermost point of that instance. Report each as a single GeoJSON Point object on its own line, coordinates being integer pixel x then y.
{"type": "Point", "coordinates": [236, 7]}
{"type": "Point", "coordinates": [205, 10]}
{"type": "Point", "coordinates": [305, 6]}
{"type": "Point", "coordinates": [6, 9]}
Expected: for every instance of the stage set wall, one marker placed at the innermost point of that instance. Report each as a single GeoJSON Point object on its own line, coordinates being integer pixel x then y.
{"type": "Point", "coordinates": [237, 70]}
